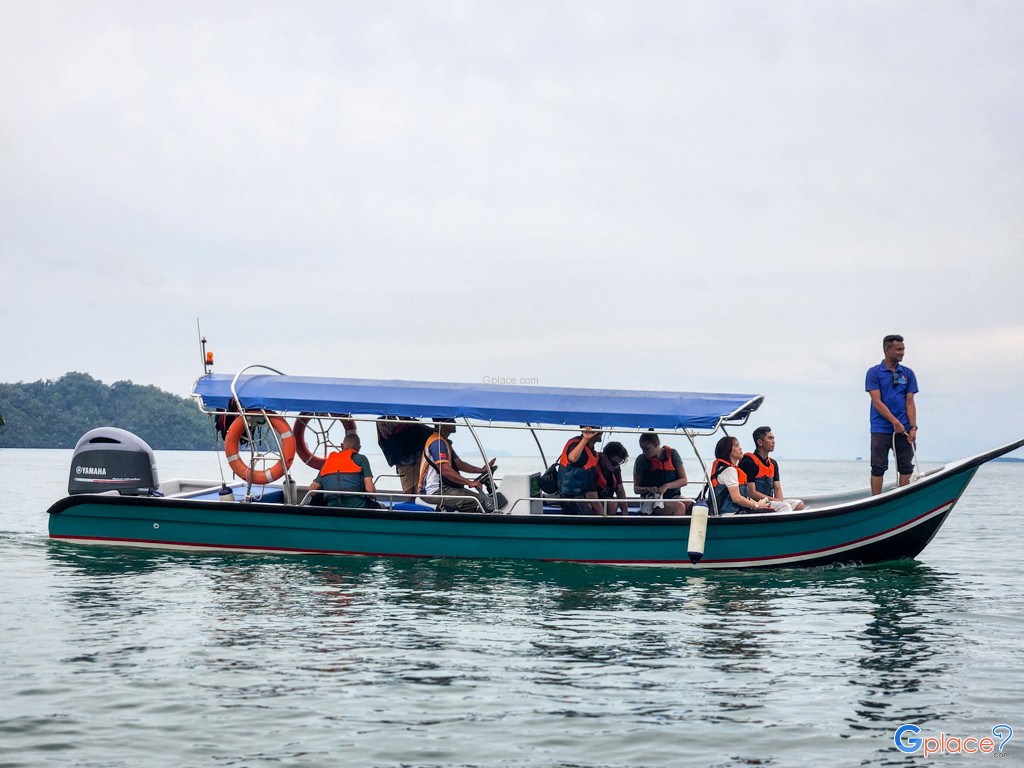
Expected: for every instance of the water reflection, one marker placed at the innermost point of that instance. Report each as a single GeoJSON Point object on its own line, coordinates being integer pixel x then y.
{"type": "Point", "coordinates": [666, 635]}
{"type": "Point", "coordinates": [904, 645]}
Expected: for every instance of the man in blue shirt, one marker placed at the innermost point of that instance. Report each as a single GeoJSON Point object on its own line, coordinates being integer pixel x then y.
{"type": "Point", "coordinates": [892, 387]}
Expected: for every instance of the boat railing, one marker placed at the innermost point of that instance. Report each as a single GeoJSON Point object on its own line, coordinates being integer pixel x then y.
{"type": "Point", "coordinates": [393, 497]}
{"type": "Point", "coordinates": [389, 496]}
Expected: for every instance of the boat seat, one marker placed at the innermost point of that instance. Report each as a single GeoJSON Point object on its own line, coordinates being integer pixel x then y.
{"type": "Point", "coordinates": [412, 506]}
{"type": "Point", "coordinates": [265, 494]}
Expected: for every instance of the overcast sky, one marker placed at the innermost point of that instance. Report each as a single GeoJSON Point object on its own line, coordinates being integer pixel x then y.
{"type": "Point", "coordinates": [699, 196]}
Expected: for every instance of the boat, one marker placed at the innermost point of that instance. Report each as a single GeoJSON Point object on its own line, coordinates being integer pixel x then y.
{"type": "Point", "coordinates": [116, 499]}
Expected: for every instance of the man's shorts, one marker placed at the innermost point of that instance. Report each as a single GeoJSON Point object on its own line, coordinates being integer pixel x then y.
{"type": "Point", "coordinates": [880, 445]}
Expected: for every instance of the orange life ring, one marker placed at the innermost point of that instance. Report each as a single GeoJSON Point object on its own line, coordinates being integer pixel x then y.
{"type": "Point", "coordinates": [263, 476]}
{"type": "Point", "coordinates": [314, 460]}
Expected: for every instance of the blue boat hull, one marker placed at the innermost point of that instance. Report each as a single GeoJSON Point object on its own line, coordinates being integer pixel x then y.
{"type": "Point", "coordinates": [895, 525]}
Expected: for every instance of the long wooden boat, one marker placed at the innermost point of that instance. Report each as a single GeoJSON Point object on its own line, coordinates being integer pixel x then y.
{"type": "Point", "coordinates": [116, 499]}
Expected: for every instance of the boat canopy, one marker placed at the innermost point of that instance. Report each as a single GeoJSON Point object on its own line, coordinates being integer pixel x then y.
{"type": "Point", "coordinates": [627, 409]}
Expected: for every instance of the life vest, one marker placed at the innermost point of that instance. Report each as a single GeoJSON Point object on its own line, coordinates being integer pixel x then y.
{"type": "Point", "coordinates": [428, 465]}
{"type": "Point", "coordinates": [575, 481]}
{"type": "Point", "coordinates": [764, 480]}
{"type": "Point", "coordinates": [341, 473]}
{"type": "Point", "coordinates": [721, 491]}
{"type": "Point", "coordinates": [222, 423]}
{"type": "Point", "coordinates": [661, 470]}
{"type": "Point", "coordinates": [609, 480]}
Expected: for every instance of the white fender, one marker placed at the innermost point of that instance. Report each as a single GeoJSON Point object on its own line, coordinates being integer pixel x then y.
{"type": "Point", "coordinates": [698, 532]}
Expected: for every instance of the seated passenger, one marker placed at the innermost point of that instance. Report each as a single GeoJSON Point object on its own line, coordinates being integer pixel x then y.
{"type": "Point", "coordinates": [346, 470]}
{"type": "Point", "coordinates": [728, 481]}
{"type": "Point", "coordinates": [658, 473]}
{"type": "Point", "coordinates": [609, 463]}
{"type": "Point", "coordinates": [440, 481]}
{"type": "Point", "coordinates": [763, 473]}
{"type": "Point", "coordinates": [578, 474]}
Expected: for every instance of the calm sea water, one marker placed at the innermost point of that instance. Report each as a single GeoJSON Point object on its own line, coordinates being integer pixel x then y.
{"type": "Point", "coordinates": [117, 657]}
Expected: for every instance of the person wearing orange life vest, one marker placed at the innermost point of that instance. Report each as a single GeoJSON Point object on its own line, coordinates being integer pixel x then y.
{"type": "Point", "coordinates": [729, 482]}
{"type": "Point", "coordinates": [609, 464]}
{"type": "Point", "coordinates": [441, 483]}
{"type": "Point", "coordinates": [658, 473]}
{"type": "Point", "coordinates": [579, 475]}
{"type": "Point", "coordinates": [349, 471]}
{"type": "Point", "coordinates": [762, 473]}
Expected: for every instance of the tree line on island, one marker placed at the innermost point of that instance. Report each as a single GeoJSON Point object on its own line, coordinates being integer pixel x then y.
{"type": "Point", "coordinates": [55, 414]}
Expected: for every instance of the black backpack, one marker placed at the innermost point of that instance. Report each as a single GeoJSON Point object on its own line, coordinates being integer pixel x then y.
{"type": "Point", "coordinates": [548, 482]}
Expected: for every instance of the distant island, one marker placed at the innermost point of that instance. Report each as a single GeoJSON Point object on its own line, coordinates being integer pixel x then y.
{"type": "Point", "coordinates": [54, 414]}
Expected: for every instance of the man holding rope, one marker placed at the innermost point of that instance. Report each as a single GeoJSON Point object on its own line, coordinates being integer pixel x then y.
{"type": "Point", "coordinates": [892, 387]}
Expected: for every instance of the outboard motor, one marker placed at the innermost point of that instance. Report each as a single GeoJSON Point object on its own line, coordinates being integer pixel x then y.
{"type": "Point", "coordinates": [111, 459]}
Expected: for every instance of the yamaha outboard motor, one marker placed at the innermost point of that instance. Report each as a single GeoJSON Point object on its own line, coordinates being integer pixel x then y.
{"type": "Point", "coordinates": [111, 459]}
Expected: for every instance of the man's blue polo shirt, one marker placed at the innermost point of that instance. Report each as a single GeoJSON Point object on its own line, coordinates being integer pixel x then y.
{"type": "Point", "coordinates": [893, 386]}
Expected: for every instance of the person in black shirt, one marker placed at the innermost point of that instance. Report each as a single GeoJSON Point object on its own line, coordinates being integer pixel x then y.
{"type": "Point", "coordinates": [658, 474]}
{"type": "Point", "coordinates": [762, 473]}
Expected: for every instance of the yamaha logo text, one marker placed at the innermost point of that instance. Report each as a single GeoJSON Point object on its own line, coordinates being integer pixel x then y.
{"type": "Point", "coordinates": [101, 471]}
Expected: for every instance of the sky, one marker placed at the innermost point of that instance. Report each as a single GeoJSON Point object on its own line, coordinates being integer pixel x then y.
{"type": "Point", "coordinates": [693, 196]}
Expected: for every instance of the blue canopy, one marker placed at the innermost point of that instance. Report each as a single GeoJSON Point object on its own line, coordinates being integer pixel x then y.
{"type": "Point", "coordinates": [625, 409]}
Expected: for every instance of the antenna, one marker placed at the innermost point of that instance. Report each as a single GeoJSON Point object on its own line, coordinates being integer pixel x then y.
{"type": "Point", "coordinates": [206, 358]}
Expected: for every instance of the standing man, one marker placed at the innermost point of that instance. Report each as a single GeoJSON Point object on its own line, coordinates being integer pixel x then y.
{"type": "Point", "coordinates": [892, 387]}
{"type": "Point", "coordinates": [401, 440]}
{"type": "Point", "coordinates": [762, 473]}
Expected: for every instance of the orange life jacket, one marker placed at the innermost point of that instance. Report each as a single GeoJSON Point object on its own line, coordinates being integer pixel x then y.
{"type": "Point", "coordinates": [719, 465]}
{"type": "Point", "coordinates": [574, 481]}
{"type": "Point", "coordinates": [764, 480]}
{"type": "Point", "coordinates": [341, 461]}
{"type": "Point", "coordinates": [662, 470]}
{"type": "Point", "coordinates": [722, 497]}
{"type": "Point", "coordinates": [341, 473]}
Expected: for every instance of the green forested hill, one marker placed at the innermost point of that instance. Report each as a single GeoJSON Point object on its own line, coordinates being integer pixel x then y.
{"type": "Point", "coordinates": [54, 414]}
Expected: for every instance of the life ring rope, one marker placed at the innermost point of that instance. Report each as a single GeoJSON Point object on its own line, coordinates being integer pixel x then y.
{"type": "Point", "coordinates": [242, 470]}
